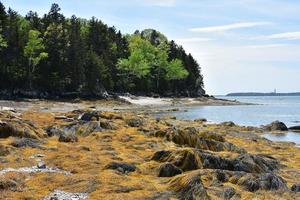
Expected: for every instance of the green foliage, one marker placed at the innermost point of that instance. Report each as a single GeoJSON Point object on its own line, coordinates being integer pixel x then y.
{"type": "Point", "coordinates": [34, 50]}
{"type": "Point", "coordinates": [175, 70]}
{"type": "Point", "coordinates": [3, 43]}
{"type": "Point", "coordinates": [58, 55]}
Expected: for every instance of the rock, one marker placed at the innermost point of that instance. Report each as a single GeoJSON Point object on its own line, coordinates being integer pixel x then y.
{"type": "Point", "coordinates": [90, 116]}
{"type": "Point", "coordinates": [200, 120]}
{"type": "Point", "coordinates": [41, 165]}
{"type": "Point", "coordinates": [264, 181]}
{"type": "Point", "coordinates": [228, 193]}
{"type": "Point", "coordinates": [121, 167]}
{"type": "Point", "coordinates": [134, 122]}
{"type": "Point", "coordinates": [191, 137]}
{"type": "Point", "coordinates": [271, 181]}
{"type": "Point", "coordinates": [230, 123]}
{"type": "Point", "coordinates": [107, 125]}
{"type": "Point", "coordinates": [68, 138]}
{"type": "Point", "coordinates": [295, 188]}
{"type": "Point", "coordinates": [276, 126]}
{"type": "Point", "coordinates": [189, 187]}
{"type": "Point", "coordinates": [26, 142]}
{"type": "Point", "coordinates": [192, 159]}
{"type": "Point", "coordinates": [17, 128]}
{"type": "Point", "coordinates": [168, 170]}
{"type": "Point", "coordinates": [295, 128]}
{"type": "Point", "coordinates": [255, 163]}
{"type": "Point", "coordinates": [221, 176]}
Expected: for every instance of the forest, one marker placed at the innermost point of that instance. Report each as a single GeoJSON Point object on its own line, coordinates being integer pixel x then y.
{"type": "Point", "coordinates": [51, 55]}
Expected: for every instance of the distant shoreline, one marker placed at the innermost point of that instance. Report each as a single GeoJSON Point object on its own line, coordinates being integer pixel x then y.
{"type": "Point", "coordinates": [262, 94]}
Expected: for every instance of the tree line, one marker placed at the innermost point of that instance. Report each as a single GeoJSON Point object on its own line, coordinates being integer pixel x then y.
{"type": "Point", "coordinates": [55, 55]}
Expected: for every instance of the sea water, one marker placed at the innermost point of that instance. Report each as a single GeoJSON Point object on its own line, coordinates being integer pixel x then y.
{"type": "Point", "coordinates": [264, 110]}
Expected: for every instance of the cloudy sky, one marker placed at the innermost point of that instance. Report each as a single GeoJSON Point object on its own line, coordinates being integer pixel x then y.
{"type": "Point", "coordinates": [241, 45]}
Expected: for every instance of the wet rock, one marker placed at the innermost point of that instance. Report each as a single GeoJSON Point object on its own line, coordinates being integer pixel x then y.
{"type": "Point", "coordinates": [168, 170]}
{"type": "Point", "coordinates": [264, 181]}
{"type": "Point", "coordinates": [68, 138]}
{"type": "Point", "coordinates": [271, 181]}
{"type": "Point", "coordinates": [191, 159]}
{"type": "Point", "coordinates": [192, 138]}
{"type": "Point", "coordinates": [221, 176]}
{"type": "Point", "coordinates": [41, 165]}
{"type": "Point", "coordinates": [121, 167]}
{"type": "Point", "coordinates": [134, 122]}
{"type": "Point", "coordinates": [90, 116]}
{"type": "Point", "coordinates": [161, 155]}
{"type": "Point", "coordinates": [295, 128]}
{"type": "Point", "coordinates": [276, 126]}
{"type": "Point", "coordinates": [200, 120]}
{"type": "Point", "coordinates": [255, 163]}
{"type": "Point", "coordinates": [295, 188]}
{"type": "Point", "coordinates": [26, 142]}
{"type": "Point", "coordinates": [228, 193]}
{"type": "Point", "coordinates": [61, 195]}
{"type": "Point", "coordinates": [79, 128]}
{"type": "Point", "coordinates": [189, 187]}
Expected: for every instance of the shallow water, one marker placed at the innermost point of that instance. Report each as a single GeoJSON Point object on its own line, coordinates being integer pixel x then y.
{"type": "Point", "coordinates": [286, 137]}
{"type": "Point", "coordinates": [266, 110]}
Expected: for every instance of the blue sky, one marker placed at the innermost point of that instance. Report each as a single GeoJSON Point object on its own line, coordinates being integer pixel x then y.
{"type": "Point", "coordinates": [241, 45]}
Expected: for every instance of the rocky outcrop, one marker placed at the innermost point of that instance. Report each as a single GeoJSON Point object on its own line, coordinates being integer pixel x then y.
{"type": "Point", "coordinates": [13, 126]}
{"type": "Point", "coordinates": [189, 187]}
{"type": "Point", "coordinates": [276, 126]}
{"type": "Point", "coordinates": [295, 128]}
{"type": "Point", "coordinates": [26, 142]}
{"type": "Point", "coordinates": [192, 138]}
{"type": "Point", "coordinates": [192, 159]}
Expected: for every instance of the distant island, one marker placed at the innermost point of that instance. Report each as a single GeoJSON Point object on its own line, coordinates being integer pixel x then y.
{"type": "Point", "coordinates": [263, 94]}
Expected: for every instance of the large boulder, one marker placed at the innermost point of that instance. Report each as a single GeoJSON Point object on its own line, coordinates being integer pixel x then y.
{"type": "Point", "coordinates": [276, 126]}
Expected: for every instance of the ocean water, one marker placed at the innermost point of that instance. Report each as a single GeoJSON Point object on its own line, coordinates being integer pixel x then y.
{"type": "Point", "coordinates": [266, 110]}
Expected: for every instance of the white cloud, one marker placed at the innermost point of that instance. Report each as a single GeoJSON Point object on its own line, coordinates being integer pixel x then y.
{"type": "Point", "coordinates": [286, 35]}
{"type": "Point", "coordinates": [228, 27]}
{"type": "Point", "coordinates": [265, 46]}
{"type": "Point", "coordinates": [194, 39]}
{"type": "Point", "coordinates": [163, 3]}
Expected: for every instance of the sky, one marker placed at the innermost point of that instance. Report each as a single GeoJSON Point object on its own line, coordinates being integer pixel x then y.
{"type": "Point", "coordinates": [241, 45]}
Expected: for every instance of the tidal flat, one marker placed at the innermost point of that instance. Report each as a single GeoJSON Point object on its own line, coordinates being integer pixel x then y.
{"type": "Point", "coordinates": [112, 150]}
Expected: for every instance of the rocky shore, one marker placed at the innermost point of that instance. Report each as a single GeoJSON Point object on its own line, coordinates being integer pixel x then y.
{"type": "Point", "coordinates": [82, 152]}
